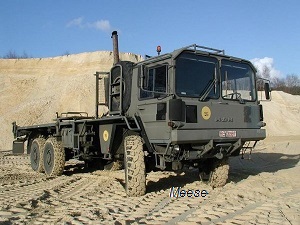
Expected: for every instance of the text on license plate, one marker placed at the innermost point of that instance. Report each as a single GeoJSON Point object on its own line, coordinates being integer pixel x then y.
{"type": "Point", "coordinates": [227, 133]}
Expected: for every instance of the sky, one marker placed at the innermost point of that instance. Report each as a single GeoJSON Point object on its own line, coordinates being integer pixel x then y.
{"type": "Point", "coordinates": [267, 32]}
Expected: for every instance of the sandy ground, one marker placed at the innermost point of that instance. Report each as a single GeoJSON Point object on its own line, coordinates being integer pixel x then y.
{"type": "Point", "coordinates": [263, 188]}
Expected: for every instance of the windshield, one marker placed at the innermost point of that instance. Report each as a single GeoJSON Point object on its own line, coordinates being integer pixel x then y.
{"type": "Point", "coordinates": [237, 81]}
{"type": "Point", "coordinates": [196, 76]}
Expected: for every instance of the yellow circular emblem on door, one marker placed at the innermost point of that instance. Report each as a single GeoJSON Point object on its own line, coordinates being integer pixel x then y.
{"type": "Point", "coordinates": [205, 112]}
{"type": "Point", "coordinates": [105, 135]}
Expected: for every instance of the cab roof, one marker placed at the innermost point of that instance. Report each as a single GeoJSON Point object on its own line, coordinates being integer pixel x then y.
{"type": "Point", "coordinates": [194, 48]}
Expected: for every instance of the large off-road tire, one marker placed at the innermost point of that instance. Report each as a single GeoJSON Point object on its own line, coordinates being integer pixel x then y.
{"type": "Point", "coordinates": [216, 174]}
{"type": "Point", "coordinates": [37, 154]}
{"type": "Point", "coordinates": [54, 157]}
{"type": "Point", "coordinates": [134, 162]}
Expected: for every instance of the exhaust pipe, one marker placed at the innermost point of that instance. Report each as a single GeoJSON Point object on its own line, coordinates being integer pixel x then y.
{"type": "Point", "coordinates": [114, 36]}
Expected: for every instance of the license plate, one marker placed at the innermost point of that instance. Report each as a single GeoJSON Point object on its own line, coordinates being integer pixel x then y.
{"type": "Point", "coordinates": [227, 133]}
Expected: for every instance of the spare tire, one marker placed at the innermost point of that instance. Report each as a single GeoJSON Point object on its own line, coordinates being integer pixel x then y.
{"type": "Point", "coordinates": [126, 82]}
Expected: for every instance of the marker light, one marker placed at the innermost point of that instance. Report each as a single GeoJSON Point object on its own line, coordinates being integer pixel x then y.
{"type": "Point", "coordinates": [158, 49]}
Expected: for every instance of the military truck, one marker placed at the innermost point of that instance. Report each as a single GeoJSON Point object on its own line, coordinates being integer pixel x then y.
{"type": "Point", "coordinates": [193, 108]}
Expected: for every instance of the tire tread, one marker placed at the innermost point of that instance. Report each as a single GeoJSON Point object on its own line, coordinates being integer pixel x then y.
{"type": "Point", "coordinates": [135, 173]}
{"type": "Point", "coordinates": [41, 144]}
{"type": "Point", "coordinates": [59, 157]}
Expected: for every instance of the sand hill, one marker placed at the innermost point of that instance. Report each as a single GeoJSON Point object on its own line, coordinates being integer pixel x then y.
{"type": "Point", "coordinates": [282, 114]}
{"type": "Point", "coordinates": [33, 90]}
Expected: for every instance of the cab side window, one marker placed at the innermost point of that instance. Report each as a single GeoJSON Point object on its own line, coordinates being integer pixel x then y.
{"type": "Point", "coordinates": [155, 82]}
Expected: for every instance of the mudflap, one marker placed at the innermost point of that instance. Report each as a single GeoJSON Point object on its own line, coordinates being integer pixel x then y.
{"type": "Point", "coordinates": [106, 136]}
{"type": "Point", "coordinates": [18, 146]}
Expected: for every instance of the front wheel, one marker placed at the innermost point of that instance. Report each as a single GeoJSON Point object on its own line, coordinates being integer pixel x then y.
{"type": "Point", "coordinates": [54, 157]}
{"type": "Point", "coordinates": [215, 172]}
{"type": "Point", "coordinates": [134, 162]}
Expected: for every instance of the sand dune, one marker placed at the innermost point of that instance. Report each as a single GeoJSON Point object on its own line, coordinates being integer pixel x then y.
{"type": "Point", "coordinates": [33, 90]}
{"type": "Point", "coordinates": [282, 114]}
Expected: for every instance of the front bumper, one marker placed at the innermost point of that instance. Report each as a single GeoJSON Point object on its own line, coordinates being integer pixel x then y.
{"type": "Point", "coordinates": [181, 136]}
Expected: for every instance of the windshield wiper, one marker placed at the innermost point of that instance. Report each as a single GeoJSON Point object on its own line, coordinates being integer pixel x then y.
{"type": "Point", "coordinates": [209, 87]}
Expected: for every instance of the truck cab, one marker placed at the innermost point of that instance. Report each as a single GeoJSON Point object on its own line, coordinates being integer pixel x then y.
{"type": "Point", "coordinates": [196, 103]}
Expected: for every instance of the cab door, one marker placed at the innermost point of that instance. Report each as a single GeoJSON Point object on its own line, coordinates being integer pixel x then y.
{"type": "Point", "coordinates": [152, 102]}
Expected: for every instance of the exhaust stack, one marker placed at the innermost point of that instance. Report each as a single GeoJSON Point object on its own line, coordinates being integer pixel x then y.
{"type": "Point", "coordinates": [114, 36]}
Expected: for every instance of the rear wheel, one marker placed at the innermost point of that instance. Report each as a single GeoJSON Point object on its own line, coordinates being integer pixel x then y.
{"type": "Point", "coordinates": [134, 162]}
{"type": "Point", "coordinates": [54, 157]}
{"type": "Point", "coordinates": [215, 172]}
{"type": "Point", "coordinates": [36, 154]}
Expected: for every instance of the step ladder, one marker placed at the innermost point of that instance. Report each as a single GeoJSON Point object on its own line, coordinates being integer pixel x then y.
{"type": "Point", "coordinates": [249, 145]}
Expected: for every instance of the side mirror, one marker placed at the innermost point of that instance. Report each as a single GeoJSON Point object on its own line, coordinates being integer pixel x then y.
{"type": "Point", "coordinates": [144, 77]}
{"type": "Point", "coordinates": [267, 90]}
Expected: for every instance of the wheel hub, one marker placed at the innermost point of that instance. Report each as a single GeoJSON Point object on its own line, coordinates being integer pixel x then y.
{"type": "Point", "coordinates": [35, 155]}
{"type": "Point", "coordinates": [49, 157]}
